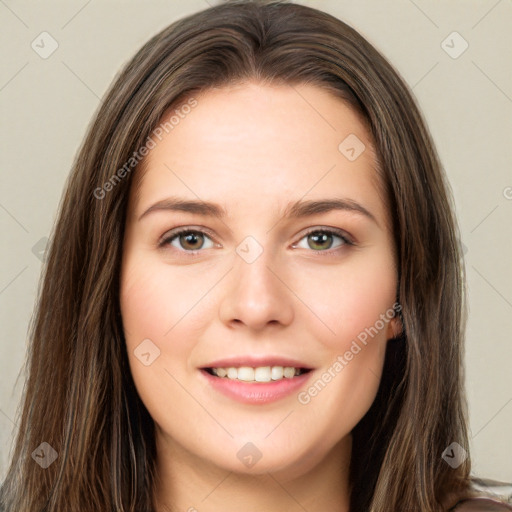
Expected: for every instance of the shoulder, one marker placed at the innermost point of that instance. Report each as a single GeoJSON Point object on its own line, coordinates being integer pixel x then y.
{"type": "Point", "coordinates": [486, 496]}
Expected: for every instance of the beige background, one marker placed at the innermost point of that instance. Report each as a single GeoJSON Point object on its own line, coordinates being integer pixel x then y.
{"type": "Point", "coordinates": [46, 105]}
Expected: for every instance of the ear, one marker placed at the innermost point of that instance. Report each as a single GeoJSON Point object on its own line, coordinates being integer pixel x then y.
{"type": "Point", "coordinates": [395, 327]}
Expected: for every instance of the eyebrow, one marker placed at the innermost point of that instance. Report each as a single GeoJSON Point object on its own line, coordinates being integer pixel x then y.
{"type": "Point", "coordinates": [298, 209]}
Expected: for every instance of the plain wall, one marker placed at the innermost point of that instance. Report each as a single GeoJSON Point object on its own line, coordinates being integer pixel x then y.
{"type": "Point", "coordinates": [46, 105]}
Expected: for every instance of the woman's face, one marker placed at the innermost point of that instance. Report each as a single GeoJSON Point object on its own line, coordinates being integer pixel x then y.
{"type": "Point", "coordinates": [266, 281]}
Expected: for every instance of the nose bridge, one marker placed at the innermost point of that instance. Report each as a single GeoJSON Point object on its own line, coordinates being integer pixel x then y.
{"type": "Point", "coordinates": [256, 295]}
{"type": "Point", "coordinates": [252, 271]}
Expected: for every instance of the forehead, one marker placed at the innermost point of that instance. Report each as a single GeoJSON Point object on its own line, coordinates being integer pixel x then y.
{"type": "Point", "coordinates": [251, 144]}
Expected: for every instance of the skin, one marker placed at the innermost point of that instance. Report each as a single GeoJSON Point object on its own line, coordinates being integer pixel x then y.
{"type": "Point", "coordinates": [254, 148]}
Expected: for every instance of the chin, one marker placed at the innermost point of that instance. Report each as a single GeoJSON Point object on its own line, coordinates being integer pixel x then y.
{"type": "Point", "coordinates": [264, 456]}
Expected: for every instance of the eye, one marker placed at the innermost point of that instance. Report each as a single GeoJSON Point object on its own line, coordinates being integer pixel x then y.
{"type": "Point", "coordinates": [189, 239]}
{"type": "Point", "coordinates": [193, 240]}
{"type": "Point", "coordinates": [321, 239]}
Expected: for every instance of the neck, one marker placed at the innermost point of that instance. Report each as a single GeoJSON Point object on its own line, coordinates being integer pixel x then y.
{"type": "Point", "coordinates": [186, 482]}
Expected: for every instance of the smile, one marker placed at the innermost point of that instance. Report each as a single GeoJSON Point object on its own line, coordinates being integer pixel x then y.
{"type": "Point", "coordinates": [258, 374]}
{"type": "Point", "coordinates": [244, 386]}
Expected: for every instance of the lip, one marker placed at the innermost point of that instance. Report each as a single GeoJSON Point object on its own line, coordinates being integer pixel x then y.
{"type": "Point", "coordinates": [256, 393]}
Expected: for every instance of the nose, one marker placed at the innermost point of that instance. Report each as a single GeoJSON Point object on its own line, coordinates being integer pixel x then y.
{"type": "Point", "coordinates": [258, 293]}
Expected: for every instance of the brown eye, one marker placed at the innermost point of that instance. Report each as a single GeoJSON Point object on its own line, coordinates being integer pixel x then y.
{"type": "Point", "coordinates": [188, 240]}
{"type": "Point", "coordinates": [191, 240]}
{"type": "Point", "coordinates": [321, 240]}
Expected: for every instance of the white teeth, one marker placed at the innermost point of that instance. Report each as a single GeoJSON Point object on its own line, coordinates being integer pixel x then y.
{"type": "Point", "coordinates": [245, 373]}
{"type": "Point", "coordinates": [277, 372]}
{"type": "Point", "coordinates": [263, 374]}
{"type": "Point", "coordinates": [259, 374]}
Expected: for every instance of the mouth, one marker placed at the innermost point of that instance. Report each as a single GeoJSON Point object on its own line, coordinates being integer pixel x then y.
{"type": "Point", "coordinates": [256, 374]}
{"type": "Point", "coordinates": [256, 380]}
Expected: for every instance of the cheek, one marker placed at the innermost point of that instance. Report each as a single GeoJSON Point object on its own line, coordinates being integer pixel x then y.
{"type": "Point", "coordinates": [349, 300]}
{"type": "Point", "coordinates": [167, 306]}
{"type": "Point", "coordinates": [351, 321]}
{"type": "Point", "coordinates": [155, 299]}
{"type": "Point", "coordinates": [152, 303]}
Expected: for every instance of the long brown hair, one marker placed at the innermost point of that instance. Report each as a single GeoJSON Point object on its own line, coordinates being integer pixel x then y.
{"type": "Point", "coordinates": [79, 396]}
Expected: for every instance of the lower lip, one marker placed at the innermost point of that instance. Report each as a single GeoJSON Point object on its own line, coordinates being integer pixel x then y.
{"type": "Point", "coordinates": [256, 392]}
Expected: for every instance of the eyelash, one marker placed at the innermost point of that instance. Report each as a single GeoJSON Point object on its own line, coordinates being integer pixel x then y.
{"type": "Point", "coordinates": [187, 230]}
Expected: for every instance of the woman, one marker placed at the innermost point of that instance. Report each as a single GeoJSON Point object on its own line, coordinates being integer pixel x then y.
{"type": "Point", "coordinates": [223, 375]}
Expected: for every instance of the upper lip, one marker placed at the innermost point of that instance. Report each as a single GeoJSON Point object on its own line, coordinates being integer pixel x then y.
{"type": "Point", "coordinates": [256, 361]}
